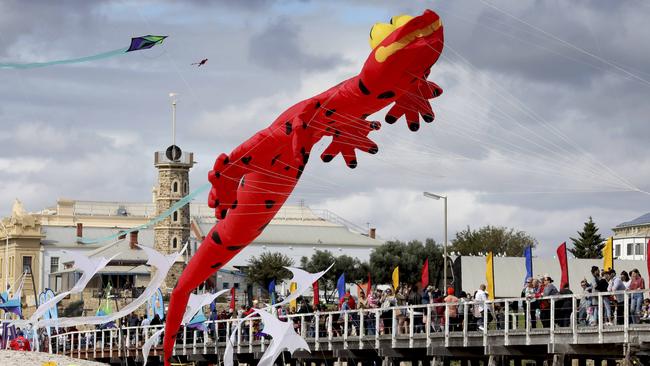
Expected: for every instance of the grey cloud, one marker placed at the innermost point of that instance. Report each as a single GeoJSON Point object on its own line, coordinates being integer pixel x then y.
{"type": "Point", "coordinates": [278, 47]}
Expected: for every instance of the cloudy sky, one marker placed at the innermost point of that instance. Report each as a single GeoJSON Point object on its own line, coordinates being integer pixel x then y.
{"type": "Point", "coordinates": [543, 121]}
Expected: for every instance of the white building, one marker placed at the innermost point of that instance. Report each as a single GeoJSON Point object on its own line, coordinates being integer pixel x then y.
{"type": "Point", "coordinates": [631, 237]}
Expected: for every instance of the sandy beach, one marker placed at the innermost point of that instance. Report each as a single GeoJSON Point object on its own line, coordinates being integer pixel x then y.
{"type": "Point", "coordinates": [19, 358]}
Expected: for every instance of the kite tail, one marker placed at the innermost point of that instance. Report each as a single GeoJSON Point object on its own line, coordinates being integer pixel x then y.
{"type": "Point", "coordinates": [13, 65]}
{"type": "Point", "coordinates": [258, 204]}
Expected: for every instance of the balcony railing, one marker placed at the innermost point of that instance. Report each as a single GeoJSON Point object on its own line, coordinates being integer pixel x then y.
{"type": "Point", "coordinates": [410, 326]}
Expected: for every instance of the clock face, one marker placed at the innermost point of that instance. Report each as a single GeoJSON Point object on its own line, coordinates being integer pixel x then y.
{"type": "Point", "coordinates": [173, 153]}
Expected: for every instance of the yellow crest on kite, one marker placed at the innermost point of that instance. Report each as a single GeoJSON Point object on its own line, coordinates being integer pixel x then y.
{"type": "Point", "coordinates": [380, 31]}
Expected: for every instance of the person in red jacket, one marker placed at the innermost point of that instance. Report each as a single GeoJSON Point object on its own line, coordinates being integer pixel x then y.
{"type": "Point", "coordinates": [20, 343]}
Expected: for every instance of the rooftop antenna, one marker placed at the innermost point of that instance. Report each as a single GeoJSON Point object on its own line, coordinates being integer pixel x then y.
{"type": "Point", "coordinates": [173, 152]}
{"type": "Point", "coordinates": [173, 97]}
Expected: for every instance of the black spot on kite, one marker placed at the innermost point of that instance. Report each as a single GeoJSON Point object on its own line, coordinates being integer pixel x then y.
{"type": "Point", "coordinates": [386, 95]}
{"type": "Point", "coordinates": [300, 169]}
{"type": "Point", "coordinates": [352, 164]}
{"type": "Point", "coordinates": [226, 160]}
{"type": "Point", "coordinates": [223, 213]}
{"type": "Point", "coordinates": [264, 226]}
{"type": "Point", "coordinates": [327, 158]}
{"type": "Point", "coordinates": [246, 159]}
{"type": "Point", "coordinates": [363, 88]}
{"type": "Point", "coordinates": [275, 158]}
{"type": "Point", "coordinates": [337, 133]}
{"type": "Point", "coordinates": [269, 203]}
{"type": "Point", "coordinates": [364, 116]}
{"type": "Point", "coordinates": [216, 265]}
{"type": "Point", "coordinates": [427, 118]}
{"type": "Point", "coordinates": [317, 104]}
{"type": "Point", "coordinates": [329, 112]}
{"type": "Point", "coordinates": [414, 126]}
{"type": "Point", "coordinates": [373, 150]}
{"type": "Point", "coordinates": [287, 127]}
{"type": "Point", "coordinates": [287, 167]}
{"type": "Point", "coordinates": [235, 248]}
{"type": "Point", "coordinates": [390, 119]}
{"type": "Point", "coordinates": [304, 125]}
{"type": "Point", "coordinates": [374, 125]}
{"type": "Point", "coordinates": [216, 203]}
{"type": "Point", "coordinates": [330, 122]}
{"type": "Point", "coordinates": [216, 238]}
{"type": "Point", "coordinates": [234, 205]}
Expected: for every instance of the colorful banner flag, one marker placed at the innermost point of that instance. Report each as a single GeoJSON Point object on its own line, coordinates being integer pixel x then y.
{"type": "Point", "coordinates": [292, 288]}
{"type": "Point", "coordinates": [489, 275]}
{"type": "Point", "coordinates": [528, 254]}
{"type": "Point", "coordinates": [232, 299]}
{"type": "Point", "coordinates": [564, 267]}
{"type": "Point", "coordinates": [340, 286]}
{"type": "Point", "coordinates": [396, 278]}
{"type": "Point", "coordinates": [316, 294]}
{"type": "Point", "coordinates": [272, 291]}
{"type": "Point", "coordinates": [425, 274]}
{"type": "Point", "coordinates": [608, 254]}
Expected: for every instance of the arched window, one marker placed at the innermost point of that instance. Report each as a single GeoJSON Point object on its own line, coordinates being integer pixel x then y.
{"type": "Point", "coordinates": [175, 187]}
{"type": "Point", "coordinates": [175, 216]}
{"type": "Point", "coordinates": [174, 243]}
{"type": "Point", "coordinates": [186, 188]}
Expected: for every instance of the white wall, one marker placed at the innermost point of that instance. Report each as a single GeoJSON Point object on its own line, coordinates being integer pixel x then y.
{"type": "Point", "coordinates": [509, 272]}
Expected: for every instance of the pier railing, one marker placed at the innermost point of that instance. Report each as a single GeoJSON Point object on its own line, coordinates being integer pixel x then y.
{"type": "Point", "coordinates": [561, 319]}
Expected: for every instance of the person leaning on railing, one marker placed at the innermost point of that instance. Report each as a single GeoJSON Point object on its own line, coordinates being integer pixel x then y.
{"type": "Point", "coordinates": [636, 284]}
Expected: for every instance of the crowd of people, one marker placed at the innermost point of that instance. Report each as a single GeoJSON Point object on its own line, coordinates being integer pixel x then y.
{"type": "Point", "coordinates": [386, 311]}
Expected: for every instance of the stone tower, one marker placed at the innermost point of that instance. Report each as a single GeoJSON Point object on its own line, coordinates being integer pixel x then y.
{"type": "Point", "coordinates": [172, 233]}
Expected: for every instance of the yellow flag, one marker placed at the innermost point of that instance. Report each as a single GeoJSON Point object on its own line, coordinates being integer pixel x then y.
{"type": "Point", "coordinates": [608, 254]}
{"type": "Point", "coordinates": [489, 275]}
{"type": "Point", "coordinates": [292, 288]}
{"type": "Point", "coordinates": [396, 278]}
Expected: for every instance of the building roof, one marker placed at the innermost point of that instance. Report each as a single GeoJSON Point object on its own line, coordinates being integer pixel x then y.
{"type": "Point", "coordinates": [66, 236]}
{"type": "Point", "coordinates": [306, 234]}
{"type": "Point", "coordinates": [641, 220]}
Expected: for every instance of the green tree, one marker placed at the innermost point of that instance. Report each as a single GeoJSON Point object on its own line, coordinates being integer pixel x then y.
{"type": "Point", "coordinates": [492, 239]}
{"type": "Point", "coordinates": [590, 244]}
{"type": "Point", "coordinates": [267, 267]}
{"type": "Point", "coordinates": [409, 257]}
{"type": "Point", "coordinates": [355, 270]}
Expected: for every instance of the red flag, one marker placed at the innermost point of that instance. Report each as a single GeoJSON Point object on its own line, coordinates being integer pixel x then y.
{"type": "Point", "coordinates": [368, 286]}
{"type": "Point", "coordinates": [232, 299]}
{"type": "Point", "coordinates": [647, 247]}
{"type": "Point", "coordinates": [562, 257]}
{"type": "Point", "coordinates": [316, 294]}
{"type": "Point", "coordinates": [425, 274]}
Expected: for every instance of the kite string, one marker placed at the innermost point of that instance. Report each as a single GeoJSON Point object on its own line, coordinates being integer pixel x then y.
{"type": "Point", "coordinates": [515, 102]}
{"type": "Point", "coordinates": [568, 44]}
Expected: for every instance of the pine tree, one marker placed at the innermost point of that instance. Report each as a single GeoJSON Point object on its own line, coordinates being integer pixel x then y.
{"type": "Point", "coordinates": [590, 244]}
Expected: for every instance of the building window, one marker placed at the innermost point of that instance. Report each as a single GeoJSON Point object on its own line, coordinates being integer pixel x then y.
{"type": "Point", "coordinates": [174, 243]}
{"type": "Point", "coordinates": [617, 250]}
{"type": "Point", "coordinates": [54, 264]}
{"type": "Point", "coordinates": [226, 285]}
{"type": "Point", "coordinates": [175, 187]}
{"type": "Point", "coordinates": [638, 249]}
{"type": "Point", "coordinates": [236, 285]}
{"type": "Point", "coordinates": [186, 188]}
{"type": "Point", "coordinates": [175, 216]}
{"type": "Point", "coordinates": [629, 249]}
{"type": "Point", "coordinates": [27, 264]}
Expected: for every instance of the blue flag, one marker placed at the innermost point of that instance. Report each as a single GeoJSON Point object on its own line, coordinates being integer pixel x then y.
{"type": "Point", "coordinates": [528, 253]}
{"type": "Point", "coordinates": [272, 291]}
{"type": "Point", "coordinates": [340, 286]}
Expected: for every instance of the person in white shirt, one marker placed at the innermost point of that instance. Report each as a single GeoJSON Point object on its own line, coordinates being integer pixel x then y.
{"type": "Point", "coordinates": [480, 297]}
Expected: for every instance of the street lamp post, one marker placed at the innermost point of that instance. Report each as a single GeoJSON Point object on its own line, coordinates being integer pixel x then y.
{"type": "Point", "coordinates": [444, 266]}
